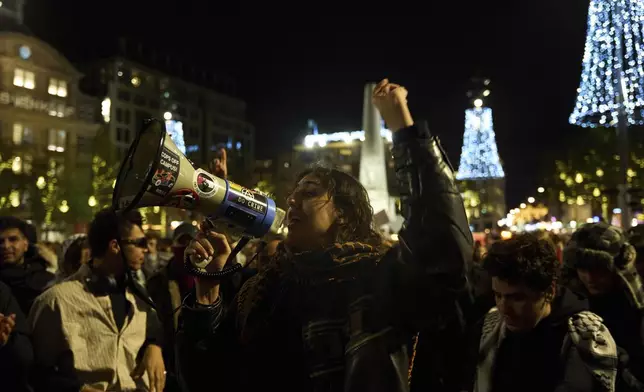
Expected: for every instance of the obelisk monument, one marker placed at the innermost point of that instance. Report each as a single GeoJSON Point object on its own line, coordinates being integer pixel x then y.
{"type": "Point", "coordinates": [373, 172]}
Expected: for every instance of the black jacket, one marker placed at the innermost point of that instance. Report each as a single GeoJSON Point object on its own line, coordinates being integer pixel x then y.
{"type": "Point", "coordinates": [16, 357]}
{"type": "Point", "coordinates": [345, 328]}
{"type": "Point", "coordinates": [27, 280]}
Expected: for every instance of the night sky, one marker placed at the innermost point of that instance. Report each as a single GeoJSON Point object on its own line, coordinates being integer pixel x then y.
{"type": "Point", "coordinates": [292, 64]}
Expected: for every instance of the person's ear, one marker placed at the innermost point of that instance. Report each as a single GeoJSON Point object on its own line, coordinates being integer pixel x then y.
{"type": "Point", "coordinates": [113, 247]}
{"type": "Point", "coordinates": [552, 292]}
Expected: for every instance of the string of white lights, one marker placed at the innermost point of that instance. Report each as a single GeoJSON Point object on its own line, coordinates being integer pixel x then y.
{"type": "Point", "coordinates": [613, 55]}
{"type": "Point", "coordinates": [479, 155]}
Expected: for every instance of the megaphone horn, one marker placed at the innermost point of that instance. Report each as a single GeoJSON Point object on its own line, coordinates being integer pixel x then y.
{"type": "Point", "coordinates": [156, 173]}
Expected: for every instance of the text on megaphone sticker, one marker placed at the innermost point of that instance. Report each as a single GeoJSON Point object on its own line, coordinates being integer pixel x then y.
{"type": "Point", "coordinates": [166, 175]}
{"type": "Point", "coordinates": [247, 198]}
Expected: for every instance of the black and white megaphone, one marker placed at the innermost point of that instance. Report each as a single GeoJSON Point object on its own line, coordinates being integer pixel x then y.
{"type": "Point", "coordinates": [156, 173]}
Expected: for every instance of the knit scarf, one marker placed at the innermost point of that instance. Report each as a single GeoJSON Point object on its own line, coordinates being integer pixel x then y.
{"type": "Point", "coordinates": [282, 272]}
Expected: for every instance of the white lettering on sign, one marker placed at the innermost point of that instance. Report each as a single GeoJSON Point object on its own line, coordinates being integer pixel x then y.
{"type": "Point", "coordinates": [28, 103]}
{"type": "Point", "coordinates": [170, 163]}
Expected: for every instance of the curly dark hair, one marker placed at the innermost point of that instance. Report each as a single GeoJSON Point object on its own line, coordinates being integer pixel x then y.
{"type": "Point", "coordinates": [351, 200]}
{"type": "Point", "coordinates": [525, 259]}
{"type": "Point", "coordinates": [107, 226]}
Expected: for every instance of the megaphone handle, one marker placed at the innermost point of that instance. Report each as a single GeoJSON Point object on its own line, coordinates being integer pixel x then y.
{"type": "Point", "coordinates": [227, 271]}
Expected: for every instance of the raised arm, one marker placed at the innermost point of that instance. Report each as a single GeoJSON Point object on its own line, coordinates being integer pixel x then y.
{"type": "Point", "coordinates": [435, 243]}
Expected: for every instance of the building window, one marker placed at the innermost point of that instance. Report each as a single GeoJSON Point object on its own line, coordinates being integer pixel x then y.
{"type": "Point", "coordinates": [57, 87]}
{"type": "Point", "coordinates": [57, 139]}
{"type": "Point", "coordinates": [57, 110]}
{"type": "Point", "coordinates": [22, 78]}
{"type": "Point", "coordinates": [123, 95]}
{"type": "Point", "coordinates": [127, 116]}
{"type": "Point", "coordinates": [119, 134]}
{"type": "Point", "coordinates": [22, 164]}
{"type": "Point", "coordinates": [83, 143]}
{"type": "Point", "coordinates": [119, 115]}
{"type": "Point", "coordinates": [57, 167]}
{"type": "Point", "coordinates": [139, 100]}
{"type": "Point", "coordinates": [22, 134]}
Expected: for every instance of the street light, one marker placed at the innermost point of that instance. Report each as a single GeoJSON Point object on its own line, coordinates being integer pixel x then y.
{"type": "Point", "coordinates": [63, 207]}
{"type": "Point", "coordinates": [92, 201]}
{"type": "Point", "coordinates": [530, 199]}
{"type": "Point", "coordinates": [541, 189]}
{"type": "Point", "coordinates": [478, 102]}
{"type": "Point", "coordinates": [167, 116]}
{"type": "Point", "coordinates": [41, 183]}
{"type": "Point", "coordinates": [522, 205]}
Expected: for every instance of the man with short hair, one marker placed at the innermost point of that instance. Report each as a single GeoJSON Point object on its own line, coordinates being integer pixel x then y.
{"type": "Point", "coordinates": [539, 337]}
{"type": "Point", "coordinates": [96, 330]}
{"type": "Point", "coordinates": [22, 266]}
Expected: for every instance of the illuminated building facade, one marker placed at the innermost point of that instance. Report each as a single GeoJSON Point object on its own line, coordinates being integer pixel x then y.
{"type": "Point", "coordinates": [47, 125]}
{"type": "Point", "coordinates": [131, 92]}
{"type": "Point", "coordinates": [343, 151]}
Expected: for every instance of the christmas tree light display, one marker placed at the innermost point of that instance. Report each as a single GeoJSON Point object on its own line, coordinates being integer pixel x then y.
{"type": "Point", "coordinates": [613, 65]}
{"type": "Point", "coordinates": [479, 155]}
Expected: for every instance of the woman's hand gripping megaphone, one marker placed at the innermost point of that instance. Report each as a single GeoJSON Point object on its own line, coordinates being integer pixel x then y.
{"type": "Point", "coordinates": [209, 251]}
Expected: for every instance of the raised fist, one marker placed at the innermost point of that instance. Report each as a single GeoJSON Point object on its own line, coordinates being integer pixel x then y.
{"type": "Point", "coordinates": [391, 101]}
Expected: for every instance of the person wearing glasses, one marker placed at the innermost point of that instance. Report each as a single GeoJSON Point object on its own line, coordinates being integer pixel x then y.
{"type": "Point", "coordinates": [97, 331]}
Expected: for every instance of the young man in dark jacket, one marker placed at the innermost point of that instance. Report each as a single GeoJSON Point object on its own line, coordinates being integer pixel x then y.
{"type": "Point", "coordinates": [16, 352]}
{"type": "Point", "coordinates": [538, 338]}
{"type": "Point", "coordinates": [21, 267]}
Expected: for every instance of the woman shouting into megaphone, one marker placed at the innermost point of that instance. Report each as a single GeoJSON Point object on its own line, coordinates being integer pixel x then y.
{"type": "Point", "coordinates": [333, 309]}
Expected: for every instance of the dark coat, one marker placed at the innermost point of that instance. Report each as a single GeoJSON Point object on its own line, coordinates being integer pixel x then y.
{"type": "Point", "coordinates": [17, 356]}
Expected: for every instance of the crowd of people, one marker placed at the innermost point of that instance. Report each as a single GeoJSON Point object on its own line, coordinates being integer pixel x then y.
{"type": "Point", "coordinates": [330, 307]}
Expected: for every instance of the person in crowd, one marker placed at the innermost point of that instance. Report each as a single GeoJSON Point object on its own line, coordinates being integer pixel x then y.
{"type": "Point", "coordinates": [330, 311]}
{"type": "Point", "coordinates": [540, 336]}
{"type": "Point", "coordinates": [23, 265]}
{"type": "Point", "coordinates": [16, 353]}
{"type": "Point", "coordinates": [636, 238]}
{"type": "Point", "coordinates": [74, 253]}
{"type": "Point", "coordinates": [155, 261]}
{"type": "Point", "coordinates": [96, 331]}
{"type": "Point", "coordinates": [601, 264]}
{"type": "Point", "coordinates": [167, 288]}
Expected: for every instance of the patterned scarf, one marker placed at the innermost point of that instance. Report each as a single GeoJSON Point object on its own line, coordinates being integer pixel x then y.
{"type": "Point", "coordinates": [259, 297]}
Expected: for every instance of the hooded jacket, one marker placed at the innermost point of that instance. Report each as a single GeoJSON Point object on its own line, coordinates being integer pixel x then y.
{"type": "Point", "coordinates": [341, 319]}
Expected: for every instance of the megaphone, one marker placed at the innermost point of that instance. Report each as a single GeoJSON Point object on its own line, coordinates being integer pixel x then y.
{"type": "Point", "coordinates": [156, 173]}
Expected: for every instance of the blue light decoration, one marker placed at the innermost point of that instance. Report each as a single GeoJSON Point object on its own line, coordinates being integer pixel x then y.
{"type": "Point", "coordinates": [175, 130]}
{"type": "Point", "coordinates": [613, 65]}
{"type": "Point", "coordinates": [479, 155]}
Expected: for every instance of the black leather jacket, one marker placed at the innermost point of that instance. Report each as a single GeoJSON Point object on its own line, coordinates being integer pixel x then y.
{"type": "Point", "coordinates": [354, 335]}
